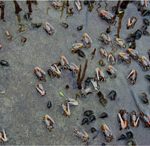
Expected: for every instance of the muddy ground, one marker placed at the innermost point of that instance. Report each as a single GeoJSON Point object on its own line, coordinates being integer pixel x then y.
{"type": "Point", "coordinates": [22, 108]}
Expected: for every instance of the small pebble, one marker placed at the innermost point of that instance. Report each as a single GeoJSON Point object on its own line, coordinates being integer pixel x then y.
{"type": "Point", "coordinates": [49, 104]}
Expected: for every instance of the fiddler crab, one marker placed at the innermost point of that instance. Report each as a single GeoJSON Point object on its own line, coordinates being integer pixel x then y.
{"type": "Point", "coordinates": [105, 38]}
{"type": "Point", "coordinates": [76, 47]}
{"type": "Point", "coordinates": [131, 22]}
{"type": "Point", "coordinates": [123, 119]}
{"type": "Point", "coordinates": [54, 71]}
{"type": "Point", "coordinates": [144, 3]}
{"type": "Point", "coordinates": [134, 119]}
{"type": "Point", "coordinates": [74, 68]}
{"type": "Point", "coordinates": [3, 137]}
{"type": "Point", "coordinates": [100, 76]}
{"type": "Point", "coordinates": [57, 4]}
{"type": "Point", "coordinates": [66, 105]}
{"type": "Point", "coordinates": [8, 35]}
{"type": "Point", "coordinates": [64, 62]}
{"type": "Point", "coordinates": [66, 109]}
{"type": "Point", "coordinates": [106, 132]}
{"type": "Point", "coordinates": [78, 5]}
{"type": "Point", "coordinates": [132, 76]}
{"type": "Point", "coordinates": [103, 52]}
{"type": "Point", "coordinates": [49, 28]}
{"type": "Point", "coordinates": [144, 62]}
{"type": "Point", "coordinates": [124, 57]}
{"type": "Point", "coordinates": [133, 53]}
{"type": "Point", "coordinates": [87, 41]}
{"type": "Point", "coordinates": [107, 16]}
{"type": "Point", "coordinates": [111, 59]}
{"type": "Point", "coordinates": [120, 42]}
{"type": "Point", "coordinates": [41, 75]}
{"type": "Point", "coordinates": [83, 135]}
{"type": "Point", "coordinates": [111, 71]}
{"type": "Point", "coordinates": [146, 119]}
{"type": "Point", "coordinates": [49, 122]}
{"type": "Point", "coordinates": [40, 89]}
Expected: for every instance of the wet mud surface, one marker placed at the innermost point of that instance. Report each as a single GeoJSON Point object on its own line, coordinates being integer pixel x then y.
{"type": "Point", "coordinates": [22, 108]}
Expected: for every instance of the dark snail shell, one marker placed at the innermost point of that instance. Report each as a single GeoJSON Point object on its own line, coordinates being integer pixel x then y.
{"type": "Point", "coordinates": [4, 63]}
{"type": "Point", "coordinates": [92, 118]}
{"type": "Point", "coordinates": [81, 53]}
{"type": "Point", "coordinates": [112, 95]}
{"type": "Point", "coordinates": [79, 28]}
{"type": "Point", "coordinates": [85, 121]}
{"type": "Point", "coordinates": [103, 115]}
{"type": "Point", "coordinates": [93, 130]}
{"type": "Point", "coordinates": [88, 113]}
{"type": "Point", "coordinates": [49, 104]}
{"type": "Point", "coordinates": [138, 34]}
